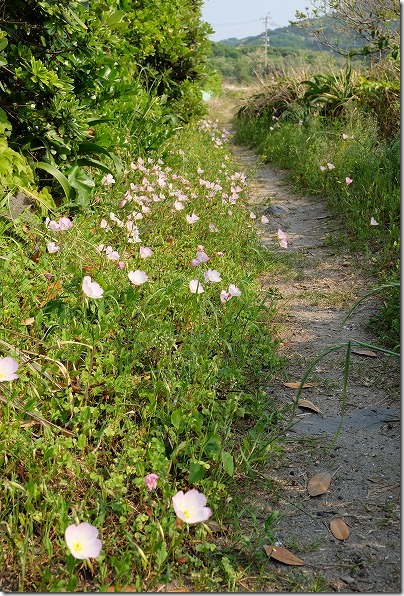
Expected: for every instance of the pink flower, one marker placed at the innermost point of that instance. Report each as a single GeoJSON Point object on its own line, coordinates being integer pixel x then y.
{"type": "Point", "coordinates": [91, 288]}
{"type": "Point", "coordinates": [348, 180]}
{"type": "Point", "coordinates": [145, 252]}
{"type": "Point", "coordinates": [201, 257]}
{"type": "Point", "coordinates": [151, 481]}
{"type": "Point", "coordinates": [65, 223]}
{"type": "Point", "coordinates": [330, 166]}
{"type": "Point", "coordinates": [112, 255]}
{"type": "Point", "coordinates": [191, 219]}
{"type": "Point", "coordinates": [190, 507]}
{"type": "Point", "coordinates": [178, 205]}
{"type": "Point", "coordinates": [212, 275]}
{"type": "Point", "coordinates": [52, 247]}
{"type": "Point", "coordinates": [264, 219]}
{"type": "Point", "coordinates": [196, 287]}
{"type": "Point", "coordinates": [52, 225]}
{"type": "Point", "coordinates": [82, 541]}
{"type": "Point", "coordinates": [252, 215]}
{"type": "Point", "coordinates": [104, 224]}
{"type": "Point", "coordinates": [283, 239]}
{"type": "Point", "coordinates": [137, 277]}
{"type": "Point", "coordinates": [213, 228]}
{"type": "Point", "coordinates": [108, 180]}
{"type": "Point", "coordinates": [8, 367]}
{"type": "Point", "coordinates": [234, 291]}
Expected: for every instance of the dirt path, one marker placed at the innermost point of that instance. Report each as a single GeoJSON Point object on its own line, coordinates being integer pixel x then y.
{"type": "Point", "coordinates": [365, 458]}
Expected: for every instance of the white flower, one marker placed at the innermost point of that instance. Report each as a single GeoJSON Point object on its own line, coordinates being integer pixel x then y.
{"type": "Point", "coordinates": [373, 222]}
{"type": "Point", "coordinates": [252, 215]}
{"type": "Point", "coordinates": [137, 277]}
{"type": "Point", "coordinates": [213, 228]}
{"type": "Point", "coordinates": [190, 507]}
{"type": "Point", "coordinates": [91, 288]}
{"type": "Point", "coordinates": [195, 286]}
{"type": "Point", "coordinates": [264, 219]}
{"type": "Point", "coordinates": [52, 247]}
{"type": "Point", "coordinates": [8, 367]}
{"type": "Point", "coordinates": [82, 541]}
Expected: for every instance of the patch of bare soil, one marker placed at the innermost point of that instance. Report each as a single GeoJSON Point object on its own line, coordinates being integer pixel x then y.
{"type": "Point", "coordinates": [364, 459]}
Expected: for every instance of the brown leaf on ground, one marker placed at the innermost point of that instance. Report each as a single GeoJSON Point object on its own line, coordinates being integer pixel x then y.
{"type": "Point", "coordinates": [28, 321]}
{"type": "Point", "coordinates": [282, 554]}
{"type": "Point", "coordinates": [319, 484]}
{"type": "Point", "coordinates": [52, 291]}
{"type": "Point", "coordinates": [339, 529]}
{"type": "Point", "coordinates": [364, 352]}
{"type": "Point", "coordinates": [305, 403]}
{"type": "Point", "coordinates": [296, 385]}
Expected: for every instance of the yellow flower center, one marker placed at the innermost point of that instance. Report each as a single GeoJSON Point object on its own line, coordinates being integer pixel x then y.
{"type": "Point", "coordinates": [77, 547]}
{"type": "Point", "coordinates": [186, 514]}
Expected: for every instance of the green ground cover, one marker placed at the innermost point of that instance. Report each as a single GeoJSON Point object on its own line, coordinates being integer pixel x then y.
{"type": "Point", "coordinates": [126, 369]}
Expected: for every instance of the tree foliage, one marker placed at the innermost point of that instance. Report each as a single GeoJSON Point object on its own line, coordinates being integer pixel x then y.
{"type": "Point", "coordinates": [68, 65]}
{"type": "Point", "coordinates": [373, 25]}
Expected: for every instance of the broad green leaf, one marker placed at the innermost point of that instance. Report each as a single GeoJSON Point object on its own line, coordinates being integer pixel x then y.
{"type": "Point", "coordinates": [64, 183]}
{"type": "Point", "coordinates": [228, 463]}
{"type": "Point", "coordinates": [196, 472]}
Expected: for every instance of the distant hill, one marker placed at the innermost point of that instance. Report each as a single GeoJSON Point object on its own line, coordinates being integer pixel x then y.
{"type": "Point", "coordinates": [297, 38]}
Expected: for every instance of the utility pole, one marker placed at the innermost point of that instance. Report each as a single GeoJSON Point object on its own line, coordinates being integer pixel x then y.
{"type": "Point", "coordinates": [266, 19]}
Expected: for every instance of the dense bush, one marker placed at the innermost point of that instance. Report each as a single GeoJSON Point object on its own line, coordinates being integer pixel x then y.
{"type": "Point", "coordinates": [68, 65]}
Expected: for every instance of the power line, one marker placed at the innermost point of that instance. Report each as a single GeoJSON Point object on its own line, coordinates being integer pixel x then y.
{"type": "Point", "coordinates": [233, 24]}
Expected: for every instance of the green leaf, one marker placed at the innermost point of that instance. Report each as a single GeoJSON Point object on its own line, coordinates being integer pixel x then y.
{"type": "Point", "coordinates": [228, 463]}
{"type": "Point", "coordinates": [94, 163]}
{"type": "Point", "coordinates": [212, 446]}
{"type": "Point", "coordinates": [88, 148]}
{"type": "Point", "coordinates": [196, 472]}
{"type": "Point", "coordinates": [176, 419]}
{"type": "Point", "coordinates": [82, 183]}
{"type": "Point", "coordinates": [64, 183]}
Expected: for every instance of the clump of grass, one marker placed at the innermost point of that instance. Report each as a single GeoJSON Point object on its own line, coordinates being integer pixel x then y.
{"type": "Point", "coordinates": [146, 378]}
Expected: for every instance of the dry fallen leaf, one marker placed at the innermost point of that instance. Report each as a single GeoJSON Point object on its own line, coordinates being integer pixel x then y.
{"type": "Point", "coordinates": [52, 291]}
{"type": "Point", "coordinates": [28, 321]}
{"type": "Point", "coordinates": [296, 385]}
{"type": "Point", "coordinates": [319, 484]}
{"type": "Point", "coordinates": [305, 403]}
{"type": "Point", "coordinates": [339, 529]}
{"type": "Point", "coordinates": [364, 352]}
{"type": "Point", "coordinates": [282, 554]}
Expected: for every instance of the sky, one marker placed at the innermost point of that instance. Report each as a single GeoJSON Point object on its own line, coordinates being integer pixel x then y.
{"type": "Point", "coordinates": [244, 18]}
